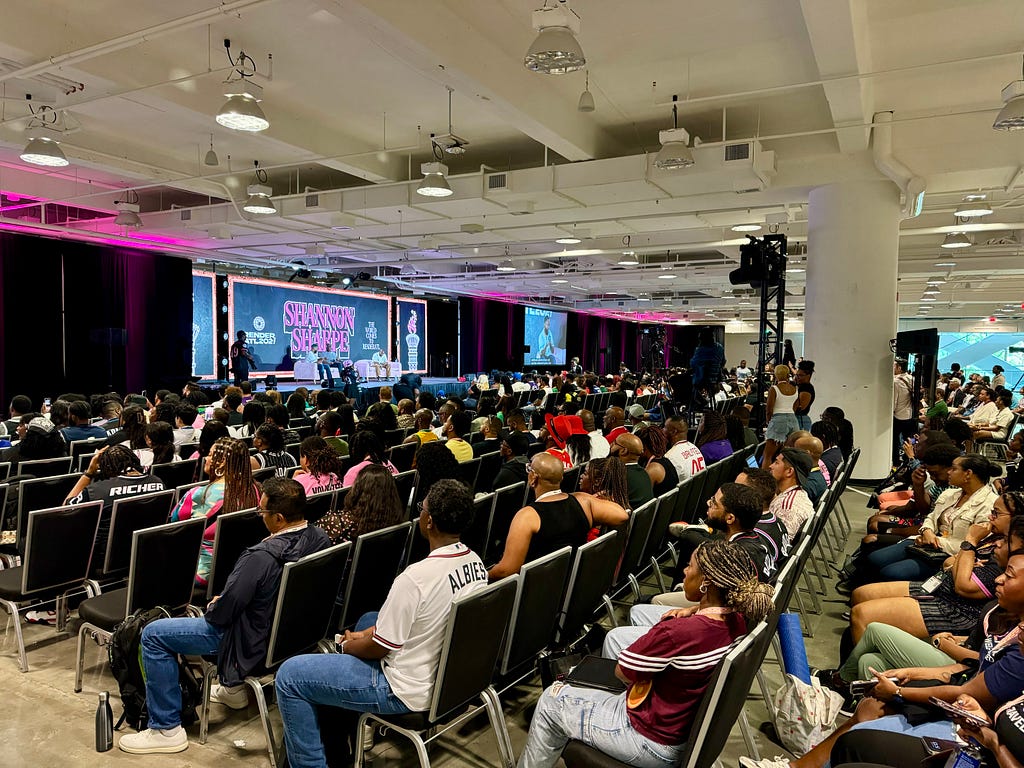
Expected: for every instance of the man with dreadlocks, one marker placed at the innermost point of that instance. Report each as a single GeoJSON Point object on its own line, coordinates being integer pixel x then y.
{"type": "Point", "coordinates": [667, 671]}
{"type": "Point", "coordinates": [118, 475]}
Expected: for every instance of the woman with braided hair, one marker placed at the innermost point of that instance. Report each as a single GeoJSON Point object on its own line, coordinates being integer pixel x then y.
{"type": "Point", "coordinates": [662, 471]}
{"type": "Point", "coordinates": [667, 670]}
{"type": "Point", "coordinates": [231, 488]}
{"type": "Point", "coordinates": [113, 473]}
{"type": "Point", "coordinates": [320, 466]}
{"type": "Point", "coordinates": [606, 479]}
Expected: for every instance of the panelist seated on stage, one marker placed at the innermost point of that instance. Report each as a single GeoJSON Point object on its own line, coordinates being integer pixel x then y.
{"type": "Point", "coordinates": [379, 362]}
{"type": "Point", "coordinates": [323, 361]}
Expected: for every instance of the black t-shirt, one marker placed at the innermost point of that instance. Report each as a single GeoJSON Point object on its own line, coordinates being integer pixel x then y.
{"type": "Point", "coordinates": [808, 387]}
{"type": "Point", "coordinates": [108, 491]}
{"type": "Point", "coordinates": [1010, 728]}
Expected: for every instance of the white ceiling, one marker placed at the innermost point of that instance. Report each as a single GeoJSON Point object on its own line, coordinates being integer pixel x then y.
{"type": "Point", "coordinates": [357, 87]}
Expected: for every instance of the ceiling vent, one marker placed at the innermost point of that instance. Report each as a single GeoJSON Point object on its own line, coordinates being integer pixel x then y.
{"type": "Point", "coordinates": [312, 201]}
{"type": "Point", "coordinates": [186, 215]}
{"type": "Point", "coordinates": [497, 181]}
{"type": "Point", "coordinates": [737, 151]}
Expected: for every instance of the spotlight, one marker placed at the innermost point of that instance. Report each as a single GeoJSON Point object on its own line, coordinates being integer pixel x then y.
{"type": "Point", "coordinates": [957, 240]}
{"type": "Point", "coordinates": [975, 206]}
{"type": "Point", "coordinates": [1011, 116]}
{"type": "Point", "coordinates": [435, 181]}
{"type": "Point", "coordinates": [555, 51]}
{"type": "Point", "coordinates": [746, 228]}
{"type": "Point", "coordinates": [44, 151]}
{"type": "Point", "coordinates": [242, 112]}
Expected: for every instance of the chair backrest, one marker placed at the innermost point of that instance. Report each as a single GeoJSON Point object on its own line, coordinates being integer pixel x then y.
{"type": "Point", "coordinates": [535, 613]}
{"type": "Point", "coordinates": [507, 501]}
{"type": "Point", "coordinates": [40, 493]}
{"type": "Point", "coordinates": [785, 578]}
{"type": "Point", "coordinates": [81, 447]}
{"type": "Point", "coordinates": [319, 504]}
{"type": "Point", "coordinates": [402, 455]}
{"type": "Point", "coordinates": [294, 450]}
{"type": "Point", "coordinates": [234, 533]}
{"type": "Point", "coordinates": [696, 500]}
{"type": "Point", "coordinates": [305, 602]}
{"type": "Point", "coordinates": [592, 572]}
{"type": "Point", "coordinates": [478, 534]}
{"type": "Point", "coordinates": [724, 699]}
{"type": "Point", "coordinates": [5, 470]}
{"type": "Point", "coordinates": [534, 449]}
{"type": "Point", "coordinates": [406, 484]}
{"type": "Point", "coordinates": [468, 655]}
{"type": "Point", "coordinates": [175, 473]}
{"type": "Point", "coordinates": [377, 558]}
{"type": "Point", "coordinates": [393, 436]}
{"type": "Point", "coordinates": [128, 516]}
{"type": "Point", "coordinates": [182, 490]}
{"type": "Point", "coordinates": [58, 546]}
{"type": "Point", "coordinates": [259, 475]}
{"type": "Point", "coordinates": [640, 524]}
{"type": "Point", "coordinates": [571, 479]}
{"type": "Point", "coordinates": [468, 471]}
{"type": "Point", "coordinates": [659, 527]}
{"type": "Point", "coordinates": [163, 568]}
{"type": "Point", "coordinates": [60, 465]}
{"type": "Point", "coordinates": [490, 465]}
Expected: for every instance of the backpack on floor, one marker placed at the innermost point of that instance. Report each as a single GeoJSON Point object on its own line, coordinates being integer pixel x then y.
{"type": "Point", "coordinates": [125, 653]}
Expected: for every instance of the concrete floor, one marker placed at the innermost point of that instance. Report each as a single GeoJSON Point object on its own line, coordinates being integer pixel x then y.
{"type": "Point", "coordinates": [43, 723]}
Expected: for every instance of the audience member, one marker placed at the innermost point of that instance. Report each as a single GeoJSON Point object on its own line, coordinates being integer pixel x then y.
{"type": "Point", "coordinates": [406, 414]}
{"type": "Point", "coordinates": [660, 469]}
{"type": "Point", "coordinates": [782, 397]}
{"type": "Point", "coordinates": [792, 505]}
{"type": "Point", "coordinates": [684, 455]}
{"type": "Point", "coordinates": [513, 453]}
{"type": "Point", "coordinates": [371, 503]}
{"type": "Point", "coordinates": [627, 448]}
{"type": "Point", "coordinates": [79, 415]}
{"type": "Point", "coordinates": [270, 450]}
{"type": "Point", "coordinates": [614, 423]}
{"type": "Point", "coordinates": [366, 448]}
{"type": "Point", "coordinates": [491, 432]}
{"type": "Point", "coordinates": [598, 445]}
{"type": "Point", "coordinates": [606, 479]}
{"type": "Point", "coordinates": [455, 428]}
{"type": "Point", "coordinates": [160, 447]}
{"type": "Point", "coordinates": [320, 467]}
{"type": "Point", "coordinates": [713, 438]}
{"type": "Point", "coordinates": [20, 405]}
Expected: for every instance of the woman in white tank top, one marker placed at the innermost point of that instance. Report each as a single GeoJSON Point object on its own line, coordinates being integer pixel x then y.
{"type": "Point", "coordinates": [781, 398]}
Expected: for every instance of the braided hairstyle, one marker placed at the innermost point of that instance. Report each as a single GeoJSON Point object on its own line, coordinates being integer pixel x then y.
{"type": "Point", "coordinates": [117, 460]}
{"type": "Point", "coordinates": [733, 574]}
{"type": "Point", "coordinates": [321, 459]}
{"type": "Point", "coordinates": [229, 461]}
{"type": "Point", "coordinates": [608, 477]}
{"type": "Point", "coordinates": [133, 422]}
{"type": "Point", "coordinates": [653, 438]}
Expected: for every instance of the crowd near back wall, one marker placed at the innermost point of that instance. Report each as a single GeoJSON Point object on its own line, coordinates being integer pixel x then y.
{"type": "Point", "coordinates": [124, 319]}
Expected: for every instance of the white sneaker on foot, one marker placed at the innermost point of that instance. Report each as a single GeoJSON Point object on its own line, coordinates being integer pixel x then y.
{"type": "Point", "coordinates": [774, 762]}
{"type": "Point", "coordinates": [675, 530]}
{"type": "Point", "coordinates": [151, 741]}
{"type": "Point", "coordinates": [233, 697]}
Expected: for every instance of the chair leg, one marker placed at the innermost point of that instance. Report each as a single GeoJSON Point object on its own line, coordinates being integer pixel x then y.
{"type": "Point", "coordinates": [610, 609]}
{"type": "Point", "coordinates": [748, 735]}
{"type": "Point", "coordinates": [811, 591]}
{"type": "Point", "coordinates": [413, 736]}
{"type": "Point", "coordinates": [268, 729]}
{"type": "Point", "coordinates": [209, 670]}
{"type": "Point", "coordinates": [766, 695]}
{"type": "Point", "coordinates": [81, 657]}
{"type": "Point", "coordinates": [658, 574]}
{"type": "Point", "coordinates": [15, 613]}
{"type": "Point", "coordinates": [497, 718]}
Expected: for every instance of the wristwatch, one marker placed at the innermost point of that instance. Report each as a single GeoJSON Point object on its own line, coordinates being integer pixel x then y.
{"type": "Point", "coordinates": [966, 546]}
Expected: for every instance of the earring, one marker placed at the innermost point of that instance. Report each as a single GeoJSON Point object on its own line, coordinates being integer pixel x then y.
{"type": "Point", "coordinates": [703, 587]}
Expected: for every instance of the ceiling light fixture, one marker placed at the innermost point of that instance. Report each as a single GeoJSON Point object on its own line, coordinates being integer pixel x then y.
{"type": "Point", "coordinates": [435, 180]}
{"type": "Point", "coordinates": [586, 102]}
{"type": "Point", "coordinates": [342, 221]}
{"type": "Point", "coordinates": [559, 280]}
{"type": "Point", "coordinates": [667, 276]}
{"type": "Point", "coordinates": [128, 210]}
{"type": "Point", "coordinates": [745, 227]}
{"type": "Point", "coordinates": [1011, 116]}
{"type": "Point", "coordinates": [555, 51]}
{"type": "Point", "coordinates": [975, 206]}
{"type": "Point", "coordinates": [259, 201]}
{"type": "Point", "coordinates": [449, 142]}
{"type": "Point", "coordinates": [507, 266]}
{"type": "Point", "coordinates": [43, 147]}
{"type": "Point", "coordinates": [211, 156]}
{"type": "Point", "coordinates": [947, 264]}
{"type": "Point", "coordinates": [242, 112]}
{"type": "Point", "coordinates": [628, 259]}
{"type": "Point", "coordinates": [675, 152]}
{"type": "Point", "coordinates": [575, 237]}
{"type": "Point", "coordinates": [795, 270]}
{"type": "Point", "coordinates": [957, 240]}
{"type": "Point", "coordinates": [927, 298]}
{"type": "Point", "coordinates": [930, 292]}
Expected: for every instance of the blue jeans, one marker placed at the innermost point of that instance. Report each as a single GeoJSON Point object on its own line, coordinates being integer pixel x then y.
{"type": "Point", "coordinates": [597, 718]}
{"type": "Point", "coordinates": [804, 420]}
{"type": "Point", "coordinates": [892, 563]}
{"type": "Point", "coordinates": [323, 370]}
{"type": "Point", "coordinates": [335, 680]}
{"type": "Point", "coordinates": [162, 641]}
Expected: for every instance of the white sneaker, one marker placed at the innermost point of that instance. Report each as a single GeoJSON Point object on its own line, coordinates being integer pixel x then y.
{"type": "Point", "coordinates": [152, 741]}
{"type": "Point", "coordinates": [775, 762]}
{"type": "Point", "coordinates": [233, 697]}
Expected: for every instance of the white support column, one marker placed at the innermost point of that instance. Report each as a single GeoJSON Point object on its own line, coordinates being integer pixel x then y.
{"type": "Point", "coordinates": [852, 245]}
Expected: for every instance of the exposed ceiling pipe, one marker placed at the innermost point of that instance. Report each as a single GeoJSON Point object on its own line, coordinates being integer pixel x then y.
{"type": "Point", "coordinates": [133, 38]}
{"type": "Point", "coordinates": [910, 185]}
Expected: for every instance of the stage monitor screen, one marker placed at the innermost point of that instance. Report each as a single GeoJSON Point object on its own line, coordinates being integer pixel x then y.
{"type": "Point", "coordinates": [412, 335]}
{"type": "Point", "coordinates": [544, 338]}
{"type": "Point", "coordinates": [204, 327]}
{"type": "Point", "coordinates": [283, 321]}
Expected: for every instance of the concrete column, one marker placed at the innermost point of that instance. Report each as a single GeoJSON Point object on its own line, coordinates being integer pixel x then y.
{"type": "Point", "coordinates": [852, 246]}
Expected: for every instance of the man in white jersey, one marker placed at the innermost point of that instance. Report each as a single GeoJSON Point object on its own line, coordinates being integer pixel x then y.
{"type": "Point", "coordinates": [388, 664]}
{"type": "Point", "coordinates": [684, 455]}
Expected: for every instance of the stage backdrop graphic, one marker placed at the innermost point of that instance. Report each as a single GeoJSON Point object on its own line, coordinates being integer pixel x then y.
{"type": "Point", "coordinates": [283, 322]}
{"type": "Point", "coordinates": [412, 335]}
{"type": "Point", "coordinates": [204, 328]}
{"type": "Point", "coordinates": [544, 335]}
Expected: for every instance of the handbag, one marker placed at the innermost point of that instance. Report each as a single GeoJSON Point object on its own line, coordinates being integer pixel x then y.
{"type": "Point", "coordinates": [805, 714]}
{"type": "Point", "coordinates": [928, 555]}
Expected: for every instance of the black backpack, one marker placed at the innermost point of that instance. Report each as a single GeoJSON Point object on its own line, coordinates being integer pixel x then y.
{"type": "Point", "coordinates": [125, 653]}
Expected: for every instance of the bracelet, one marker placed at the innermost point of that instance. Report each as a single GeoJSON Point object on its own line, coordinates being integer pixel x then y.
{"type": "Point", "coordinates": [899, 691]}
{"type": "Point", "coordinates": [89, 475]}
{"type": "Point", "coordinates": [341, 646]}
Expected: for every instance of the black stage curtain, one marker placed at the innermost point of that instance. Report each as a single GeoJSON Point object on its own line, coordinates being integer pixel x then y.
{"type": "Point", "coordinates": [78, 317]}
{"type": "Point", "coordinates": [492, 336]}
{"type": "Point", "coordinates": [442, 337]}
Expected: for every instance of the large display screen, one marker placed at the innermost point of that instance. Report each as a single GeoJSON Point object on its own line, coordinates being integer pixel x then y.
{"type": "Point", "coordinates": [544, 337]}
{"type": "Point", "coordinates": [412, 335]}
{"type": "Point", "coordinates": [204, 326]}
{"type": "Point", "coordinates": [979, 352]}
{"type": "Point", "coordinates": [283, 321]}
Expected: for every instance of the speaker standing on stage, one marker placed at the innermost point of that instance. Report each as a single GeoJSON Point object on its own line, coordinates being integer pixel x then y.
{"type": "Point", "coordinates": [241, 360]}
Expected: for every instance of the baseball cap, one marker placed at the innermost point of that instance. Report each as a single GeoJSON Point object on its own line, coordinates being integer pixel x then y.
{"type": "Point", "coordinates": [41, 424]}
{"type": "Point", "coordinates": [518, 443]}
{"type": "Point", "coordinates": [799, 460]}
{"type": "Point", "coordinates": [637, 411]}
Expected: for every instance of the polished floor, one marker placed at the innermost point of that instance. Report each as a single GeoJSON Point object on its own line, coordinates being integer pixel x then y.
{"type": "Point", "coordinates": [44, 723]}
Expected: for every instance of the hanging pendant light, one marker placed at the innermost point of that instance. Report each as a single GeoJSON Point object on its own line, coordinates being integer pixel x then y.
{"type": "Point", "coordinates": [435, 180]}
{"type": "Point", "coordinates": [555, 51]}
{"type": "Point", "coordinates": [211, 156]}
{"type": "Point", "coordinates": [586, 102]}
{"type": "Point", "coordinates": [259, 201]}
{"type": "Point", "coordinates": [675, 152]}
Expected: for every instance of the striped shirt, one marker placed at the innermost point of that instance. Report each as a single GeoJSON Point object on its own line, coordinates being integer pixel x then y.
{"type": "Point", "coordinates": [677, 657]}
{"type": "Point", "coordinates": [792, 506]}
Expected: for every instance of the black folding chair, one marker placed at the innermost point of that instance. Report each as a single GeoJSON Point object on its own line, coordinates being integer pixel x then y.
{"type": "Point", "coordinates": [175, 473]}
{"type": "Point", "coordinates": [58, 547]}
{"type": "Point", "coordinates": [40, 493]}
{"type": "Point", "coordinates": [234, 533]}
{"type": "Point", "coordinates": [593, 571]}
{"type": "Point", "coordinates": [126, 517]}
{"type": "Point", "coordinates": [490, 465]}
{"type": "Point", "coordinates": [305, 602]}
{"type": "Point", "coordinates": [162, 572]}
{"type": "Point", "coordinates": [464, 674]}
{"type": "Point", "coordinates": [377, 558]}
{"type": "Point", "coordinates": [571, 479]}
{"type": "Point", "coordinates": [478, 534]}
{"type": "Point", "coordinates": [319, 504]}
{"type": "Point", "coordinates": [402, 455]}
{"type": "Point", "coordinates": [60, 465]}
{"type": "Point", "coordinates": [508, 500]}
{"type": "Point", "coordinates": [468, 471]}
